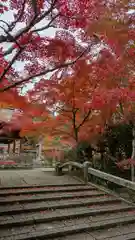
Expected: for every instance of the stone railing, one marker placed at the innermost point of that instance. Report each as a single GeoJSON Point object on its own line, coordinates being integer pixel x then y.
{"type": "Point", "coordinates": [87, 171]}
{"type": "Point", "coordinates": [84, 167]}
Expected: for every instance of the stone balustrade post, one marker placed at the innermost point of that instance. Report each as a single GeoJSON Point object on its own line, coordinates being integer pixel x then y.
{"type": "Point", "coordinates": [85, 171]}
{"type": "Point", "coordinates": [58, 170]}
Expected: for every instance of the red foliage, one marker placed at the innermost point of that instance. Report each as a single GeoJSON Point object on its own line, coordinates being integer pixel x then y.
{"type": "Point", "coordinates": [83, 89]}
{"type": "Point", "coordinates": [126, 164]}
{"type": "Point", "coordinates": [67, 16]}
{"type": "Point", "coordinates": [3, 6]}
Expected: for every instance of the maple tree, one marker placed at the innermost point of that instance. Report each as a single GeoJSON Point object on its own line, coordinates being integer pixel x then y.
{"type": "Point", "coordinates": [68, 99]}
{"type": "Point", "coordinates": [104, 85]}
{"type": "Point", "coordinates": [122, 77]}
{"type": "Point", "coordinates": [42, 54]}
{"type": "Point", "coordinates": [27, 42]}
{"type": "Point", "coordinates": [86, 91]}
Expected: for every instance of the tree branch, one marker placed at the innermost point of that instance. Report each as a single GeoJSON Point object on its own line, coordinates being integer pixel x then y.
{"type": "Point", "coordinates": [47, 26]}
{"type": "Point", "coordinates": [10, 65]}
{"type": "Point", "coordinates": [36, 19]}
{"type": "Point", "coordinates": [74, 125]}
{"type": "Point", "coordinates": [5, 23]}
{"type": "Point", "coordinates": [85, 119]}
{"type": "Point", "coordinates": [12, 25]}
{"type": "Point", "coordinates": [12, 39]}
{"type": "Point", "coordinates": [44, 72]}
{"type": "Point", "coordinates": [34, 6]}
{"type": "Point", "coordinates": [15, 38]}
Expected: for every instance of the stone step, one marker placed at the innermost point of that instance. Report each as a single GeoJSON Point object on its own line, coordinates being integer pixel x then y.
{"type": "Point", "coordinates": [78, 236]}
{"type": "Point", "coordinates": [66, 228]}
{"type": "Point", "coordinates": [115, 233]}
{"type": "Point", "coordinates": [61, 214]}
{"type": "Point", "coordinates": [59, 204]}
{"type": "Point", "coordinates": [41, 186]}
{"type": "Point", "coordinates": [120, 232]}
{"type": "Point", "coordinates": [129, 236]}
{"type": "Point", "coordinates": [68, 222]}
{"type": "Point", "coordinates": [49, 196]}
{"type": "Point", "coordinates": [4, 193]}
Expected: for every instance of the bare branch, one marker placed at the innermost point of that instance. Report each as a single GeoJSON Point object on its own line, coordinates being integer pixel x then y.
{"type": "Point", "coordinates": [5, 23]}
{"type": "Point", "coordinates": [34, 5]}
{"type": "Point", "coordinates": [63, 65]}
{"type": "Point", "coordinates": [36, 19]}
{"type": "Point", "coordinates": [12, 25]}
{"type": "Point", "coordinates": [33, 76]}
{"type": "Point", "coordinates": [10, 64]}
{"type": "Point", "coordinates": [85, 119]}
{"type": "Point", "coordinates": [39, 18]}
{"type": "Point", "coordinates": [7, 52]}
{"type": "Point", "coordinates": [10, 37]}
{"type": "Point", "coordinates": [47, 26]}
{"type": "Point", "coordinates": [3, 39]}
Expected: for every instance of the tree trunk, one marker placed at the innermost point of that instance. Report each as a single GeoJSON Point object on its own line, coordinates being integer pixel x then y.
{"type": "Point", "coordinates": [76, 134]}
{"type": "Point", "coordinates": [133, 155]}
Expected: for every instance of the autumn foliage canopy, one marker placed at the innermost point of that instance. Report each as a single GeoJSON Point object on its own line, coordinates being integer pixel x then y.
{"type": "Point", "coordinates": [81, 55]}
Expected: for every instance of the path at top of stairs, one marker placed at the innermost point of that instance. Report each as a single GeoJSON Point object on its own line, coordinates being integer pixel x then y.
{"type": "Point", "coordinates": [12, 178]}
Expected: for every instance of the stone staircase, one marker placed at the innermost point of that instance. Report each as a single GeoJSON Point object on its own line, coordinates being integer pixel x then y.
{"type": "Point", "coordinates": [64, 212]}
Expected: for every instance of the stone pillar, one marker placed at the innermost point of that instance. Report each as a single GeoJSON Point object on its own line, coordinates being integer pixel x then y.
{"type": "Point", "coordinates": [17, 146]}
{"type": "Point", "coordinates": [20, 145]}
{"type": "Point", "coordinates": [13, 146]}
{"type": "Point", "coordinates": [54, 157]}
{"type": "Point", "coordinates": [39, 151]}
{"type": "Point", "coordinates": [37, 162]}
{"type": "Point", "coordinates": [85, 166]}
{"type": "Point", "coordinates": [8, 148]}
